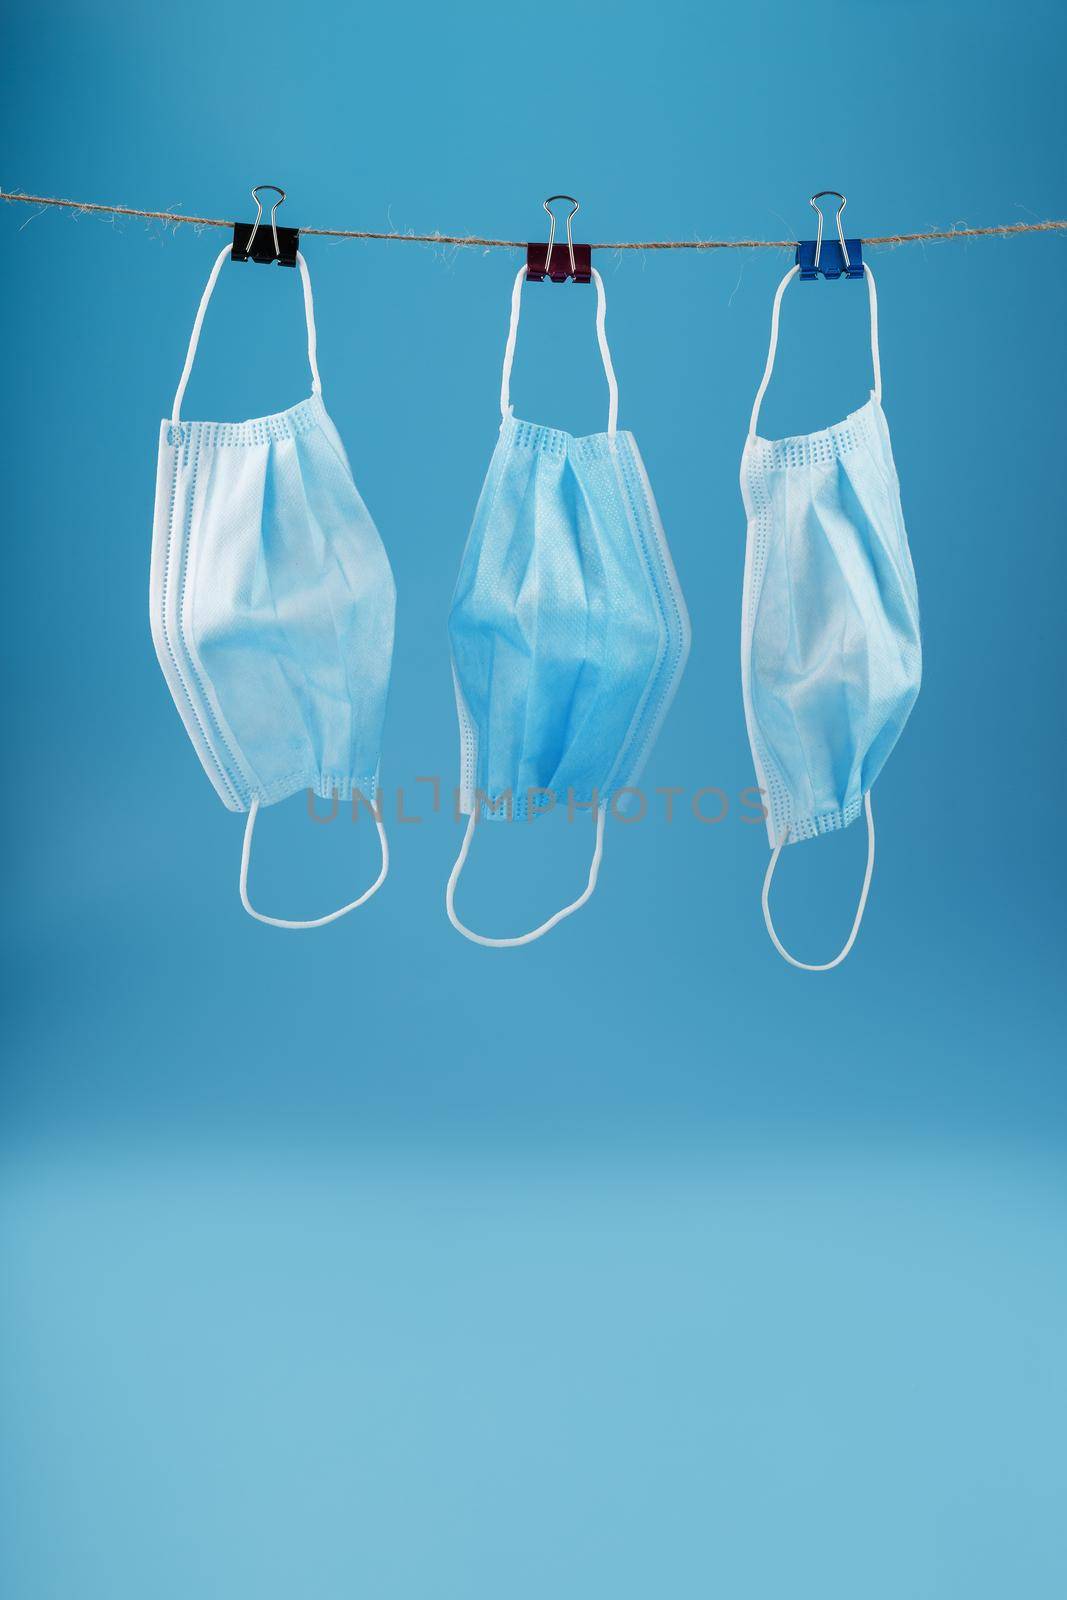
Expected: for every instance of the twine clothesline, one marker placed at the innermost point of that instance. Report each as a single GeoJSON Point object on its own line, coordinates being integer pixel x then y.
{"type": "Point", "coordinates": [475, 241]}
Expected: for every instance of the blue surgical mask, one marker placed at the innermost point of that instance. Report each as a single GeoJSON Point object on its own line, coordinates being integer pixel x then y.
{"type": "Point", "coordinates": [568, 628]}
{"type": "Point", "coordinates": [272, 605]}
{"type": "Point", "coordinates": [830, 652]}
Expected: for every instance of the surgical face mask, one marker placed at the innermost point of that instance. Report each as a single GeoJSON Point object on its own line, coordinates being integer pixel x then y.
{"type": "Point", "coordinates": [272, 606]}
{"type": "Point", "coordinates": [568, 629]}
{"type": "Point", "coordinates": [830, 651]}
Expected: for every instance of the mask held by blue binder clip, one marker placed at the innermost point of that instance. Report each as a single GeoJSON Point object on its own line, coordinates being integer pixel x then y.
{"type": "Point", "coordinates": [831, 258]}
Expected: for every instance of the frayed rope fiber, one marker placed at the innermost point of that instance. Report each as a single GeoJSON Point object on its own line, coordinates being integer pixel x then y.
{"type": "Point", "coordinates": [472, 241]}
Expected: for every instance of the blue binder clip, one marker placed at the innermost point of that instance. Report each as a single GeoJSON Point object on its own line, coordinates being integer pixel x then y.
{"type": "Point", "coordinates": [830, 257]}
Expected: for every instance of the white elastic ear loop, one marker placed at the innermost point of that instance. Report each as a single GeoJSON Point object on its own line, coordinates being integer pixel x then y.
{"type": "Point", "coordinates": [509, 348]}
{"type": "Point", "coordinates": [602, 341]}
{"type": "Point", "coordinates": [872, 294]}
{"type": "Point", "coordinates": [194, 337]}
{"type": "Point", "coordinates": [309, 317]}
{"type": "Point", "coordinates": [535, 933]}
{"type": "Point", "coordinates": [317, 922]}
{"type": "Point", "coordinates": [850, 941]}
{"type": "Point", "coordinates": [769, 368]}
{"type": "Point", "coordinates": [605, 353]}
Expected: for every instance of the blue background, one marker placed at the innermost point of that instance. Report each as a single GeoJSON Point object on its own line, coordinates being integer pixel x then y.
{"type": "Point", "coordinates": [366, 1262]}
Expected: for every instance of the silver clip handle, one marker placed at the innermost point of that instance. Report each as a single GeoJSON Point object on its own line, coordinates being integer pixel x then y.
{"type": "Point", "coordinates": [552, 229]}
{"type": "Point", "coordinates": [259, 216]}
{"type": "Point", "coordinates": [840, 230]}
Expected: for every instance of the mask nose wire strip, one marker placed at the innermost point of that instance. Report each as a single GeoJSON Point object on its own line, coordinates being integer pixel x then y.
{"type": "Point", "coordinates": [601, 339]}
{"type": "Point", "coordinates": [872, 295]}
{"type": "Point", "coordinates": [850, 941]}
{"type": "Point", "coordinates": [535, 933]}
{"type": "Point", "coordinates": [317, 922]}
{"type": "Point", "coordinates": [194, 337]}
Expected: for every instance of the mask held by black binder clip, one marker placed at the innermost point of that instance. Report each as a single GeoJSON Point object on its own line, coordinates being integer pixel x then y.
{"type": "Point", "coordinates": [254, 241]}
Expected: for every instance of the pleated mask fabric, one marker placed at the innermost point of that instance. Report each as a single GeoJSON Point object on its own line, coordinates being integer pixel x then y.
{"type": "Point", "coordinates": [568, 629]}
{"type": "Point", "coordinates": [272, 604]}
{"type": "Point", "coordinates": [831, 655]}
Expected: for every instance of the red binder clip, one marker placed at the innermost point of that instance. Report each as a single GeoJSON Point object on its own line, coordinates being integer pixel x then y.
{"type": "Point", "coordinates": [544, 261]}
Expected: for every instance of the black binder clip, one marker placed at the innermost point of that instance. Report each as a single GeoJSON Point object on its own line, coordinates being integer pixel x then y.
{"type": "Point", "coordinates": [253, 242]}
{"type": "Point", "coordinates": [542, 264]}
{"type": "Point", "coordinates": [831, 257]}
